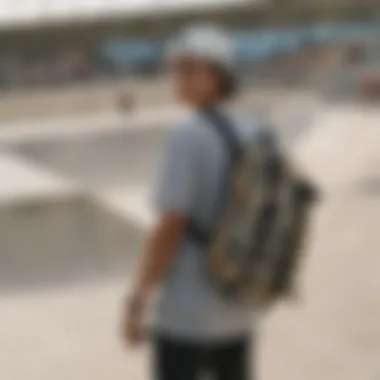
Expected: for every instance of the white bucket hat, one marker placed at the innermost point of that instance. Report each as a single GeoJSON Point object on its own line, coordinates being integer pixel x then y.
{"type": "Point", "coordinates": [207, 42]}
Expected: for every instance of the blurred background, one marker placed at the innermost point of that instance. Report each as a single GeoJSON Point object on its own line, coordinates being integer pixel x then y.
{"type": "Point", "coordinates": [66, 56]}
{"type": "Point", "coordinates": [85, 110]}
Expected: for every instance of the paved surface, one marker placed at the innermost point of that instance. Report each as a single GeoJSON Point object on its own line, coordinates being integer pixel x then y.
{"type": "Point", "coordinates": [331, 333]}
{"type": "Point", "coordinates": [45, 220]}
{"type": "Point", "coordinates": [98, 149]}
{"type": "Point", "coordinates": [81, 99]}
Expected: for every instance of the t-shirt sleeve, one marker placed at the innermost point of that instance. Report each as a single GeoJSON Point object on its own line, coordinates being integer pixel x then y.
{"type": "Point", "coordinates": [178, 177]}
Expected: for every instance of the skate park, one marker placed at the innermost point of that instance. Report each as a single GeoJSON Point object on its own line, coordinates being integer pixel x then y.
{"type": "Point", "coordinates": [75, 210]}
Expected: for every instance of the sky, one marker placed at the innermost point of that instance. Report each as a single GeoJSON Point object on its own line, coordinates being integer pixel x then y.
{"type": "Point", "coordinates": [18, 11]}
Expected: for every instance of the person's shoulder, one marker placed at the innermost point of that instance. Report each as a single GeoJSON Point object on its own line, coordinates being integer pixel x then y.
{"type": "Point", "coordinates": [189, 129]}
{"type": "Point", "coordinates": [186, 137]}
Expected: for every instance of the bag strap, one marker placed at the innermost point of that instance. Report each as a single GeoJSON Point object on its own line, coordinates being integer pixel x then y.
{"type": "Point", "coordinates": [226, 131]}
{"type": "Point", "coordinates": [234, 148]}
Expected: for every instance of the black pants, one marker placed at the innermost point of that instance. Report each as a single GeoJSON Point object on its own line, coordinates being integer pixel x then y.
{"type": "Point", "coordinates": [179, 360]}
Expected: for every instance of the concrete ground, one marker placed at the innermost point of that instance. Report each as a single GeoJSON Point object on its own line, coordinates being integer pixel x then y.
{"type": "Point", "coordinates": [36, 105]}
{"type": "Point", "coordinates": [332, 332]}
{"type": "Point", "coordinates": [80, 99]}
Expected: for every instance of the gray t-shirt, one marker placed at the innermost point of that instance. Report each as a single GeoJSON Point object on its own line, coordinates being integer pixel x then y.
{"type": "Point", "coordinates": [189, 306]}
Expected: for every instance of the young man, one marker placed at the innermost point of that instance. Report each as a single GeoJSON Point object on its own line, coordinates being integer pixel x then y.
{"type": "Point", "coordinates": [197, 330]}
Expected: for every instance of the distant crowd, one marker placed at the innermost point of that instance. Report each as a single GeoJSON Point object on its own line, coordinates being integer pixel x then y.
{"type": "Point", "coordinates": [117, 58]}
{"type": "Point", "coordinates": [61, 69]}
{"type": "Point", "coordinates": [21, 72]}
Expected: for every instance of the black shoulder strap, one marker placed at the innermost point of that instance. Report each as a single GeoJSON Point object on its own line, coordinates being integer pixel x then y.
{"type": "Point", "coordinates": [225, 131]}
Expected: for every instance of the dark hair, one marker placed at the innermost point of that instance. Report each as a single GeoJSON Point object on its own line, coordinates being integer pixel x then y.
{"type": "Point", "coordinates": [228, 85]}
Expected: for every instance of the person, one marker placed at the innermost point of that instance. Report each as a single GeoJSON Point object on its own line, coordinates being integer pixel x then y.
{"type": "Point", "coordinates": [196, 329]}
{"type": "Point", "coordinates": [125, 102]}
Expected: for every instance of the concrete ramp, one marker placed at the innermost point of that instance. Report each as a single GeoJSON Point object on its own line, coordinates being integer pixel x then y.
{"type": "Point", "coordinates": [331, 332]}
{"type": "Point", "coordinates": [110, 150]}
{"type": "Point", "coordinates": [123, 218]}
{"type": "Point", "coordinates": [105, 152]}
{"type": "Point", "coordinates": [112, 159]}
{"type": "Point", "coordinates": [341, 147]}
{"type": "Point", "coordinates": [46, 230]}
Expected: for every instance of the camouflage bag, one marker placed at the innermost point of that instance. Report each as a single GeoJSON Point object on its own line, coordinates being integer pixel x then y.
{"type": "Point", "coordinates": [264, 209]}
